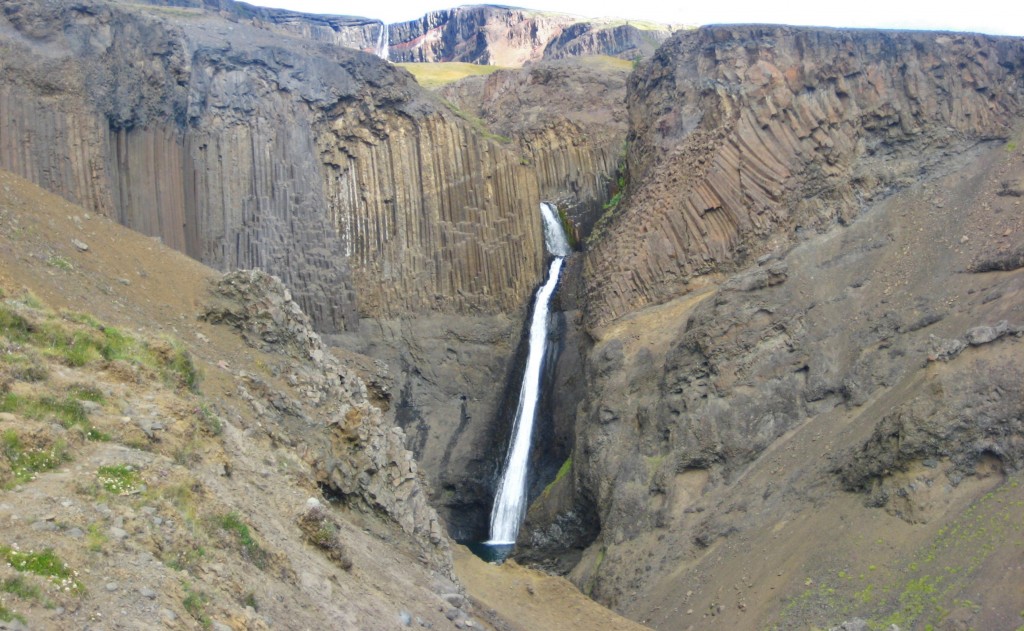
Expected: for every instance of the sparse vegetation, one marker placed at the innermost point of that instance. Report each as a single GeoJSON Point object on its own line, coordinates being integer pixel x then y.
{"type": "Point", "coordinates": [67, 411]}
{"type": "Point", "coordinates": [119, 479]}
{"type": "Point", "coordinates": [60, 263]}
{"type": "Point", "coordinates": [195, 604]}
{"type": "Point", "coordinates": [568, 228]}
{"type": "Point", "coordinates": [477, 124]}
{"type": "Point", "coordinates": [232, 524]}
{"type": "Point", "coordinates": [46, 564]}
{"type": "Point", "coordinates": [76, 340]}
{"type": "Point", "coordinates": [562, 472]}
{"type": "Point", "coordinates": [26, 462]}
{"type": "Point", "coordinates": [9, 615]}
{"type": "Point", "coordinates": [323, 532]}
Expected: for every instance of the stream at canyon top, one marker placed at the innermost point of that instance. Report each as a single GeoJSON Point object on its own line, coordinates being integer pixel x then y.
{"type": "Point", "coordinates": [510, 500]}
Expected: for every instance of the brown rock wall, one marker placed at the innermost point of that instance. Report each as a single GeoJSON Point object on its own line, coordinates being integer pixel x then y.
{"type": "Point", "coordinates": [742, 136]}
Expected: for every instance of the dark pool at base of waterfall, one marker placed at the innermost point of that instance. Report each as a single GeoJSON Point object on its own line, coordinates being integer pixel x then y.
{"type": "Point", "coordinates": [490, 552]}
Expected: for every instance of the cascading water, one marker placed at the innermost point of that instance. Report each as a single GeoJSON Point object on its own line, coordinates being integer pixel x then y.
{"type": "Point", "coordinates": [510, 502]}
{"type": "Point", "coordinates": [383, 43]}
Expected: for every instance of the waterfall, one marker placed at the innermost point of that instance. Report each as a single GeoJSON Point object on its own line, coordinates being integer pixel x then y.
{"type": "Point", "coordinates": [510, 502]}
{"type": "Point", "coordinates": [383, 42]}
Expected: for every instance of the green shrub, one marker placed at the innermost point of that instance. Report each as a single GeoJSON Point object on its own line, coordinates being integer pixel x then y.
{"type": "Point", "coordinates": [233, 524]}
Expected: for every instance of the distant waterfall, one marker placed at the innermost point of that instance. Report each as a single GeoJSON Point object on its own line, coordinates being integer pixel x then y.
{"type": "Point", "coordinates": [510, 503]}
{"type": "Point", "coordinates": [383, 42]}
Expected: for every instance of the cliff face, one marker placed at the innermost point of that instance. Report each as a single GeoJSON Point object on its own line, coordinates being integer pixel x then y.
{"type": "Point", "coordinates": [802, 335]}
{"type": "Point", "coordinates": [506, 36]}
{"type": "Point", "coordinates": [339, 30]}
{"type": "Point", "coordinates": [568, 121]}
{"type": "Point", "coordinates": [244, 148]}
{"type": "Point", "coordinates": [740, 136]}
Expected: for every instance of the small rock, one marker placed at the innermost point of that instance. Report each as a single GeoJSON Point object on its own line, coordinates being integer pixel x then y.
{"type": "Point", "coordinates": [455, 600]}
{"type": "Point", "coordinates": [147, 593]}
{"type": "Point", "coordinates": [220, 626]}
{"type": "Point", "coordinates": [44, 526]}
{"type": "Point", "coordinates": [111, 587]}
{"type": "Point", "coordinates": [118, 533]}
{"type": "Point", "coordinates": [985, 334]}
{"type": "Point", "coordinates": [80, 245]}
{"type": "Point", "coordinates": [453, 613]}
{"type": "Point", "coordinates": [857, 624]}
{"type": "Point", "coordinates": [90, 406]}
{"type": "Point", "coordinates": [168, 616]}
{"type": "Point", "coordinates": [77, 533]}
{"type": "Point", "coordinates": [405, 618]}
{"type": "Point", "coordinates": [124, 281]}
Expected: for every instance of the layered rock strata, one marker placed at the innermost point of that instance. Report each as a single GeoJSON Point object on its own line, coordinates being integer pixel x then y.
{"type": "Point", "coordinates": [507, 36]}
{"type": "Point", "coordinates": [742, 136]}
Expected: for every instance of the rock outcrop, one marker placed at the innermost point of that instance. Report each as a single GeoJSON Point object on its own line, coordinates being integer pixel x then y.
{"type": "Point", "coordinates": [354, 453]}
{"type": "Point", "coordinates": [568, 120]}
{"type": "Point", "coordinates": [743, 136]}
{"type": "Point", "coordinates": [340, 30]}
{"type": "Point", "coordinates": [246, 148]}
{"type": "Point", "coordinates": [507, 36]}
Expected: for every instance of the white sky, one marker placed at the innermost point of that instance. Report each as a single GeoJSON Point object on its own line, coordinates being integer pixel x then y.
{"type": "Point", "coordinates": [998, 17]}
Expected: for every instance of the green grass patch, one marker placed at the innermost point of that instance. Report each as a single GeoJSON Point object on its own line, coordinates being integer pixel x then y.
{"type": "Point", "coordinates": [568, 228]}
{"type": "Point", "coordinates": [76, 340]}
{"type": "Point", "coordinates": [21, 588]}
{"type": "Point", "coordinates": [232, 523]}
{"type": "Point", "coordinates": [435, 75]}
{"type": "Point", "coordinates": [195, 604]}
{"type": "Point", "coordinates": [27, 366]}
{"type": "Point", "coordinates": [67, 411]}
{"type": "Point", "coordinates": [46, 564]}
{"type": "Point", "coordinates": [60, 263]}
{"type": "Point", "coordinates": [119, 479]}
{"type": "Point", "coordinates": [27, 462]}
{"type": "Point", "coordinates": [95, 538]}
{"type": "Point", "coordinates": [8, 615]}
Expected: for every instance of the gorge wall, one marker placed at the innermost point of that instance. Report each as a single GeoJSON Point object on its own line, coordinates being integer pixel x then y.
{"type": "Point", "coordinates": [741, 135]}
{"type": "Point", "coordinates": [324, 166]}
{"type": "Point", "coordinates": [795, 328]}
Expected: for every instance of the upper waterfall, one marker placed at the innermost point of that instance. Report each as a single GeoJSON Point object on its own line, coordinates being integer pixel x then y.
{"type": "Point", "coordinates": [383, 43]}
{"type": "Point", "coordinates": [554, 235]}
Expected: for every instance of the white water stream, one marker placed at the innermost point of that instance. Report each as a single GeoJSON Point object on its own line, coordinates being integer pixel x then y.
{"type": "Point", "coordinates": [510, 502]}
{"type": "Point", "coordinates": [383, 42]}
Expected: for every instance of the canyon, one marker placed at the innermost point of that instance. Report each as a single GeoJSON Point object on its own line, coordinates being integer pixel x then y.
{"type": "Point", "coordinates": [787, 391]}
